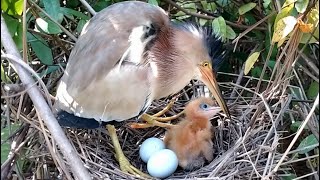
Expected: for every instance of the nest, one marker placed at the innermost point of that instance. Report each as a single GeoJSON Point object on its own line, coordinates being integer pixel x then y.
{"type": "Point", "coordinates": [246, 146]}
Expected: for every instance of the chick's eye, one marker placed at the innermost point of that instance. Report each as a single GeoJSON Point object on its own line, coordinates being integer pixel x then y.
{"type": "Point", "coordinates": [206, 64]}
{"type": "Point", "coordinates": [204, 106]}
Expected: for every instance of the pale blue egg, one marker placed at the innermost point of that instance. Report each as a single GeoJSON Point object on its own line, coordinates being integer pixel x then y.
{"type": "Point", "coordinates": [149, 147]}
{"type": "Point", "coordinates": [162, 163]}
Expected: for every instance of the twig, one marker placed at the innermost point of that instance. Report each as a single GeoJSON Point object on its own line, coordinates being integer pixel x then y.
{"type": "Point", "coordinates": [45, 112]}
{"type": "Point", "coordinates": [316, 103]}
{"type": "Point", "coordinates": [27, 67]}
{"type": "Point", "coordinates": [210, 17]}
{"type": "Point", "coordinates": [87, 5]}
{"type": "Point", "coordinates": [250, 28]}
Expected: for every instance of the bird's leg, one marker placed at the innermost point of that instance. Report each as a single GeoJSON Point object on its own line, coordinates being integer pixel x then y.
{"type": "Point", "coordinates": [156, 120]}
{"type": "Point", "coordinates": [124, 163]}
{"type": "Point", "coordinates": [165, 109]}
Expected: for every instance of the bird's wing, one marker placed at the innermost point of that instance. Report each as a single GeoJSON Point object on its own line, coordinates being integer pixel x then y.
{"type": "Point", "coordinates": [105, 39]}
{"type": "Point", "coordinates": [101, 47]}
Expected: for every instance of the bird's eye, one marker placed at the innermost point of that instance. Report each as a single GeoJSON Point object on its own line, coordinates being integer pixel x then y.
{"type": "Point", "coordinates": [204, 106]}
{"type": "Point", "coordinates": [206, 64]}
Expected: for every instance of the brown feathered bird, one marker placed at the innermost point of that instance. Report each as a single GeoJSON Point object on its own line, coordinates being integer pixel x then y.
{"type": "Point", "coordinates": [191, 139]}
{"type": "Point", "coordinates": [128, 55]}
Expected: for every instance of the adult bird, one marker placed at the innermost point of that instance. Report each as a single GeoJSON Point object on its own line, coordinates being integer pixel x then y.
{"type": "Point", "coordinates": [128, 55]}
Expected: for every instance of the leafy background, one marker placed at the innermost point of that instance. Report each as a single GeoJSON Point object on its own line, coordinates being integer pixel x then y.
{"type": "Point", "coordinates": [51, 28]}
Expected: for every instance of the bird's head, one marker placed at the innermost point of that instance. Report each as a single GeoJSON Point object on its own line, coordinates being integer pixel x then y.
{"type": "Point", "coordinates": [201, 108]}
{"type": "Point", "coordinates": [203, 53]}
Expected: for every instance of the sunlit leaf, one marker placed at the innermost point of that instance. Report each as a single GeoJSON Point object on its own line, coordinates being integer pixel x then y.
{"type": "Point", "coordinates": [41, 48]}
{"type": "Point", "coordinates": [153, 2]}
{"type": "Point", "coordinates": [52, 7]}
{"type": "Point", "coordinates": [47, 26]}
{"type": "Point", "coordinates": [202, 21]}
{"type": "Point", "coordinates": [301, 5]}
{"type": "Point", "coordinates": [285, 11]}
{"type": "Point", "coordinates": [266, 3]}
{"type": "Point", "coordinates": [246, 8]}
{"type": "Point", "coordinates": [250, 62]}
{"type": "Point", "coordinates": [230, 33]}
{"type": "Point", "coordinates": [283, 27]}
{"type": "Point", "coordinates": [12, 7]}
{"type": "Point", "coordinates": [313, 90]}
{"type": "Point", "coordinates": [308, 141]}
{"type": "Point", "coordinates": [220, 27]}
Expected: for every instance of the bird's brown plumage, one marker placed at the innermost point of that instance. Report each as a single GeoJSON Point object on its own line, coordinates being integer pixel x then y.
{"type": "Point", "coordinates": [191, 139]}
{"type": "Point", "coordinates": [128, 55]}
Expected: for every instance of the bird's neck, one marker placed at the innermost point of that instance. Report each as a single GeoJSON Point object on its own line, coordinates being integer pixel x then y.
{"type": "Point", "coordinates": [171, 72]}
{"type": "Point", "coordinates": [197, 121]}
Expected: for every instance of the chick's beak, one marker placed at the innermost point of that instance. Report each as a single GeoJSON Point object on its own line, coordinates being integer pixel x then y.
{"type": "Point", "coordinates": [209, 79]}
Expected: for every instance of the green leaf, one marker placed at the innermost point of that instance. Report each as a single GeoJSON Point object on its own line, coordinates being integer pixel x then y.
{"type": "Point", "coordinates": [17, 38]}
{"type": "Point", "coordinates": [181, 15]}
{"type": "Point", "coordinates": [219, 27]}
{"type": "Point", "coordinates": [256, 72]}
{"type": "Point", "coordinates": [301, 5]}
{"type": "Point", "coordinates": [230, 33]}
{"type": "Point", "coordinates": [68, 11]}
{"type": "Point", "coordinates": [283, 28]}
{"type": "Point", "coordinates": [308, 141]}
{"type": "Point", "coordinates": [12, 7]}
{"type": "Point", "coordinates": [191, 7]}
{"type": "Point", "coordinates": [246, 8]}
{"type": "Point", "coordinates": [313, 90]}
{"type": "Point", "coordinates": [6, 146]}
{"type": "Point", "coordinates": [101, 5]}
{"type": "Point", "coordinates": [285, 11]}
{"type": "Point", "coordinates": [72, 3]}
{"type": "Point", "coordinates": [52, 7]}
{"type": "Point", "coordinates": [250, 62]}
{"type": "Point", "coordinates": [266, 3]}
{"type": "Point", "coordinates": [271, 64]}
{"type": "Point", "coordinates": [209, 6]}
{"type": "Point", "coordinates": [81, 25]}
{"type": "Point", "coordinates": [295, 126]}
{"type": "Point", "coordinates": [202, 22]}
{"type": "Point", "coordinates": [47, 26]}
{"type": "Point", "coordinates": [41, 48]}
{"type": "Point", "coordinates": [11, 23]}
{"type": "Point", "coordinates": [153, 2]}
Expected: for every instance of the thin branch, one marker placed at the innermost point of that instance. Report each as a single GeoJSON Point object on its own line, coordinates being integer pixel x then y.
{"type": "Point", "coordinates": [77, 167]}
{"type": "Point", "coordinates": [211, 17]}
{"type": "Point", "coordinates": [87, 5]}
{"type": "Point", "coordinates": [316, 103]}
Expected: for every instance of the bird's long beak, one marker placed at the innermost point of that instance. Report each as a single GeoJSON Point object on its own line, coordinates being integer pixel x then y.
{"type": "Point", "coordinates": [209, 79]}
